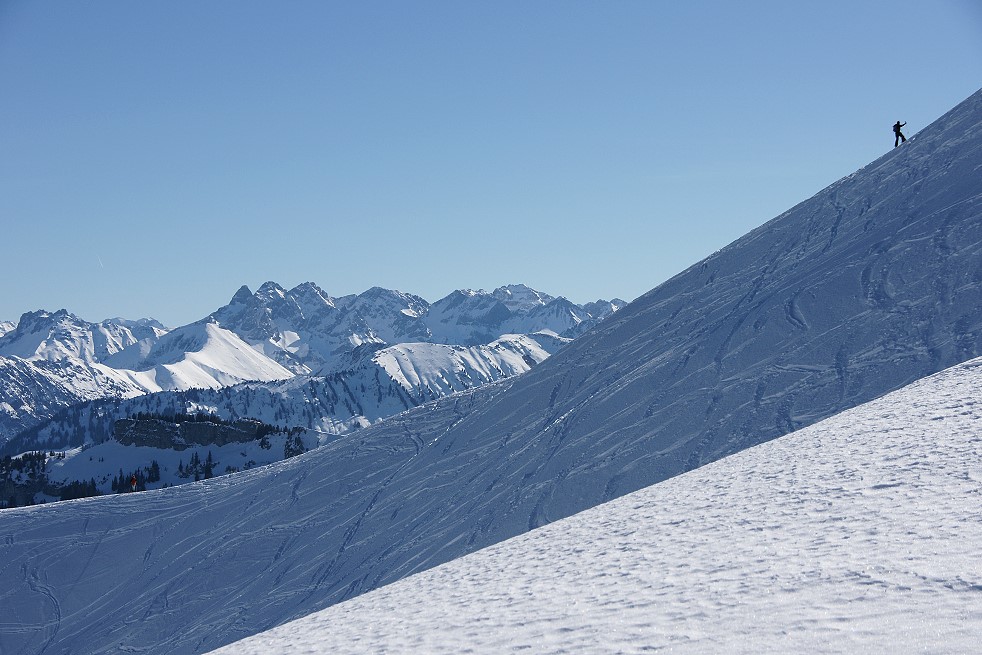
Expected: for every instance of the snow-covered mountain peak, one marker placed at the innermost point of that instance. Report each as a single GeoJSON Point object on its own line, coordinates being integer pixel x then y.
{"type": "Point", "coordinates": [43, 320]}
{"type": "Point", "coordinates": [42, 334]}
{"type": "Point", "coordinates": [60, 335]}
{"type": "Point", "coordinates": [143, 328]}
{"type": "Point", "coordinates": [520, 297]}
{"type": "Point", "coordinates": [603, 308]}
{"type": "Point", "coordinates": [311, 297]}
{"type": "Point", "coordinates": [137, 323]}
{"type": "Point", "coordinates": [7, 326]}
{"type": "Point", "coordinates": [272, 302]}
{"type": "Point", "coordinates": [410, 304]}
{"type": "Point", "coordinates": [270, 292]}
{"type": "Point", "coordinates": [203, 355]}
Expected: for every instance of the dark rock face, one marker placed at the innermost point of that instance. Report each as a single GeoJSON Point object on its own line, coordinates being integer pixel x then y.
{"type": "Point", "coordinates": [157, 433]}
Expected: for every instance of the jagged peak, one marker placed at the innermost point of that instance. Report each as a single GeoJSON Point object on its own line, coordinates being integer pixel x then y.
{"type": "Point", "coordinates": [32, 321]}
{"type": "Point", "coordinates": [270, 289]}
{"type": "Point", "coordinates": [521, 296]}
{"type": "Point", "coordinates": [130, 323]}
{"type": "Point", "coordinates": [243, 295]}
{"type": "Point", "coordinates": [310, 297]}
{"type": "Point", "coordinates": [308, 287]}
{"type": "Point", "coordinates": [378, 293]}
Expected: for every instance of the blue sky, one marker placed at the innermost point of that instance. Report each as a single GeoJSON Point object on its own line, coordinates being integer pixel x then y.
{"type": "Point", "coordinates": [155, 156]}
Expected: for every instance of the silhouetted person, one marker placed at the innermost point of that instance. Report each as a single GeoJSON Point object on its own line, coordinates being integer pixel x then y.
{"type": "Point", "coordinates": [900, 138]}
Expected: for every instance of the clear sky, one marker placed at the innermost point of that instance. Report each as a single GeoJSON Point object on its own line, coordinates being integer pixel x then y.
{"type": "Point", "coordinates": [157, 155]}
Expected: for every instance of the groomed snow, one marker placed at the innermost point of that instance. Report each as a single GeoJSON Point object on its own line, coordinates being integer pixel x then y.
{"type": "Point", "coordinates": [862, 533]}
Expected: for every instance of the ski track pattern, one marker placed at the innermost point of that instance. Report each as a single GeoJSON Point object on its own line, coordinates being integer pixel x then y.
{"type": "Point", "coordinates": [862, 533]}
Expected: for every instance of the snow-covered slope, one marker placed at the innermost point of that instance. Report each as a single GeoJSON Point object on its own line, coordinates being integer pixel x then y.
{"type": "Point", "coordinates": [861, 533]}
{"type": "Point", "coordinates": [838, 537]}
{"type": "Point", "coordinates": [432, 370]}
{"type": "Point", "coordinates": [34, 391]}
{"type": "Point", "coordinates": [7, 326]}
{"type": "Point", "coordinates": [199, 355]}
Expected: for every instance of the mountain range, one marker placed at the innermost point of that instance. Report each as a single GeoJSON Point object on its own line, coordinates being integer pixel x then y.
{"type": "Point", "coordinates": [52, 361]}
{"type": "Point", "coordinates": [874, 282]}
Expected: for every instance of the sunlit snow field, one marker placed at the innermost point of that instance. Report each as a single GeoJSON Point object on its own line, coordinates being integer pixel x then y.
{"type": "Point", "coordinates": [862, 533]}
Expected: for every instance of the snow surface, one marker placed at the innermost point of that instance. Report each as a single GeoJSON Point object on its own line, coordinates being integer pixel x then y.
{"type": "Point", "coordinates": [862, 533]}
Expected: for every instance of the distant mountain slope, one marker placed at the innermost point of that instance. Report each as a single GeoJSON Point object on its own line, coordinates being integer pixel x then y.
{"type": "Point", "coordinates": [35, 391]}
{"type": "Point", "coordinates": [200, 355]}
{"type": "Point", "coordinates": [56, 336]}
{"type": "Point", "coordinates": [56, 360]}
{"type": "Point", "coordinates": [872, 530]}
{"type": "Point", "coordinates": [872, 283]}
{"type": "Point", "coordinates": [51, 360]}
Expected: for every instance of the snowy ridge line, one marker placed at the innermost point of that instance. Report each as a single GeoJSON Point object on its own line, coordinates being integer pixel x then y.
{"type": "Point", "coordinates": [861, 533]}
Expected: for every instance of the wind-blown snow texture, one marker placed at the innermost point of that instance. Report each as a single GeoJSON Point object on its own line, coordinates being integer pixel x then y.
{"type": "Point", "coordinates": [874, 282]}
{"type": "Point", "coordinates": [862, 533]}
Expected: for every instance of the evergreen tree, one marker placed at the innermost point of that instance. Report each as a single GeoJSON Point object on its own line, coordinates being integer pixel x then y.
{"type": "Point", "coordinates": [293, 447]}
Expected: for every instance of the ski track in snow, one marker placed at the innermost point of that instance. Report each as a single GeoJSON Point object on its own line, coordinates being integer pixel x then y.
{"type": "Point", "coordinates": [862, 533]}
